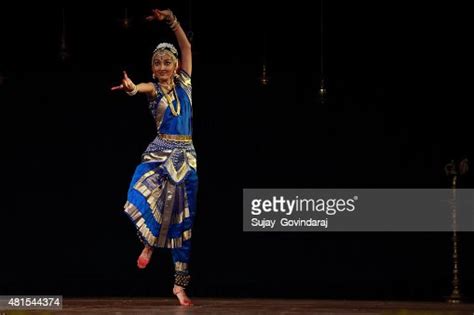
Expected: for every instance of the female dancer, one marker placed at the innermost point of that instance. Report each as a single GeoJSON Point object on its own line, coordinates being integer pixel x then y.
{"type": "Point", "coordinates": [162, 195]}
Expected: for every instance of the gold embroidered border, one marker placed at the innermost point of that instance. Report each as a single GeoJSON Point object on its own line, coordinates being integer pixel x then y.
{"type": "Point", "coordinates": [181, 138]}
{"type": "Point", "coordinates": [180, 266]}
{"type": "Point", "coordinates": [142, 188]}
{"type": "Point", "coordinates": [156, 156]}
{"type": "Point", "coordinates": [191, 160]}
{"type": "Point", "coordinates": [179, 217]}
{"type": "Point", "coordinates": [185, 81]}
{"type": "Point", "coordinates": [160, 112]}
{"type": "Point", "coordinates": [146, 233]}
{"type": "Point", "coordinates": [170, 195]}
{"type": "Point", "coordinates": [178, 241]}
{"type": "Point", "coordinates": [176, 175]}
{"type": "Point", "coordinates": [153, 200]}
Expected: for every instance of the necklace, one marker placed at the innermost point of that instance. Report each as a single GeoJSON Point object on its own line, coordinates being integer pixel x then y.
{"type": "Point", "coordinates": [170, 101]}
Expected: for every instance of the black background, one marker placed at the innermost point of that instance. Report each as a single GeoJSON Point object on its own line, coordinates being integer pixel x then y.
{"type": "Point", "coordinates": [399, 81]}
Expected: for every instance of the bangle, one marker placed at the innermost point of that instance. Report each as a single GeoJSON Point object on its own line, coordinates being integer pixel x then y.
{"type": "Point", "coordinates": [174, 26]}
{"type": "Point", "coordinates": [132, 92]}
{"type": "Point", "coordinates": [172, 21]}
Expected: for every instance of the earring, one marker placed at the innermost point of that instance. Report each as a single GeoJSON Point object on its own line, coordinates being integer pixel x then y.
{"type": "Point", "coordinates": [153, 76]}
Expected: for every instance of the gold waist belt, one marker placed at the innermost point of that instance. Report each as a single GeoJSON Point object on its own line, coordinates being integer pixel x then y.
{"type": "Point", "coordinates": [183, 138]}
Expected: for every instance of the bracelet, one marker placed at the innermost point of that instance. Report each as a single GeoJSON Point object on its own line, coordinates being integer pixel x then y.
{"type": "Point", "coordinates": [174, 26]}
{"type": "Point", "coordinates": [172, 21]}
{"type": "Point", "coordinates": [133, 92]}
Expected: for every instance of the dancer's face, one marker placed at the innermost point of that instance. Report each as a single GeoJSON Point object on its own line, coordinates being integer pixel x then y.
{"type": "Point", "coordinates": [164, 67]}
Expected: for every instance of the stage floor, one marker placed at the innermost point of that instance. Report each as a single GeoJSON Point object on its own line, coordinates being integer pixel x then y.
{"type": "Point", "coordinates": [250, 306]}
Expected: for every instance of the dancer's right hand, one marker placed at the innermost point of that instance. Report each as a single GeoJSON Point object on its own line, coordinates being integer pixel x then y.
{"type": "Point", "coordinates": [127, 84]}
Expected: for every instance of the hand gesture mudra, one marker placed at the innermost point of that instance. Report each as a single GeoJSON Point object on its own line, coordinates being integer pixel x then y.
{"type": "Point", "coordinates": [160, 15]}
{"type": "Point", "coordinates": [127, 84]}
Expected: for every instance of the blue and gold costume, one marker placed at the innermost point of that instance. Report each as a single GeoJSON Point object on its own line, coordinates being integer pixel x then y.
{"type": "Point", "coordinates": [162, 195]}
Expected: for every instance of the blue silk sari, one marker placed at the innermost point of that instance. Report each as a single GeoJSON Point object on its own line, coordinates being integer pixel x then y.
{"type": "Point", "coordinates": [161, 198]}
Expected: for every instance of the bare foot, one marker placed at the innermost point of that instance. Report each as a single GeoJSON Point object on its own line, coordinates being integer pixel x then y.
{"type": "Point", "coordinates": [182, 296]}
{"type": "Point", "coordinates": [144, 257]}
